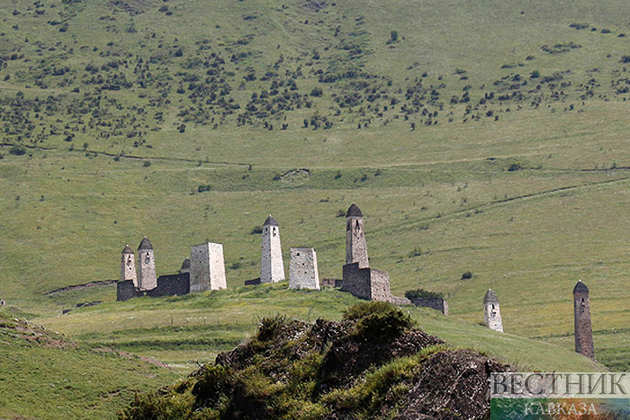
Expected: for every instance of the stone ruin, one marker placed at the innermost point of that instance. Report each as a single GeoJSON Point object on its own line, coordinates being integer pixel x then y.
{"type": "Point", "coordinates": [582, 321]}
{"type": "Point", "coordinates": [492, 312]}
{"type": "Point", "coordinates": [303, 272]}
{"type": "Point", "coordinates": [205, 270]}
{"type": "Point", "coordinates": [358, 278]}
{"type": "Point", "coordinates": [437, 303]}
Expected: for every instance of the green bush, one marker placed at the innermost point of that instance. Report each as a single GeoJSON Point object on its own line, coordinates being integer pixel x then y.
{"type": "Point", "coordinates": [421, 293]}
{"type": "Point", "coordinates": [378, 321]}
{"type": "Point", "coordinates": [17, 150]}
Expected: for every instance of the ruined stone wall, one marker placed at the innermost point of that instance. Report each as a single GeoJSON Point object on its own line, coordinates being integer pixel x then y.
{"type": "Point", "coordinates": [147, 279]}
{"type": "Point", "coordinates": [326, 282]}
{"type": "Point", "coordinates": [125, 290]}
{"type": "Point", "coordinates": [356, 281]}
{"type": "Point", "coordinates": [252, 282]}
{"type": "Point", "coordinates": [272, 266]}
{"type": "Point", "coordinates": [303, 272]}
{"type": "Point", "coordinates": [379, 286]}
{"type": "Point", "coordinates": [437, 303]}
{"type": "Point", "coordinates": [582, 322]}
{"type": "Point", "coordinates": [367, 283]}
{"type": "Point", "coordinates": [207, 268]}
{"type": "Point", "coordinates": [356, 246]}
{"type": "Point", "coordinates": [171, 285]}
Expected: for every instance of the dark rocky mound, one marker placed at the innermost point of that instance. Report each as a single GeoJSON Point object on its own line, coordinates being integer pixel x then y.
{"type": "Point", "coordinates": [371, 365]}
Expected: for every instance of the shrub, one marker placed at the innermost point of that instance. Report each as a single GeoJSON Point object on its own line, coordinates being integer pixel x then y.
{"type": "Point", "coordinates": [257, 230]}
{"type": "Point", "coordinates": [421, 293]}
{"type": "Point", "coordinates": [467, 275]}
{"type": "Point", "coordinates": [378, 321]}
{"type": "Point", "coordinates": [515, 166]}
{"type": "Point", "coordinates": [203, 188]}
{"type": "Point", "coordinates": [17, 150]}
{"type": "Point", "coordinates": [317, 92]}
{"type": "Point", "coordinates": [535, 74]}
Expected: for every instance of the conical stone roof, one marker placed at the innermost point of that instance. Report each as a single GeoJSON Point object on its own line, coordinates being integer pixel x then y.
{"type": "Point", "coordinates": [580, 288]}
{"type": "Point", "coordinates": [270, 221]}
{"type": "Point", "coordinates": [127, 250]}
{"type": "Point", "coordinates": [145, 244]}
{"type": "Point", "coordinates": [491, 297]}
{"type": "Point", "coordinates": [354, 211]}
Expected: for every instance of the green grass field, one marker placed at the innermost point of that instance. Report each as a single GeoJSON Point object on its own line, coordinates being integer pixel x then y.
{"type": "Point", "coordinates": [486, 137]}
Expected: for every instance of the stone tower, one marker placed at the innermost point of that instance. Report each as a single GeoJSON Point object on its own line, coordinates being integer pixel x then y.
{"type": "Point", "coordinates": [207, 267]}
{"type": "Point", "coordinates": [303, 269]}
{"type": "Point", "coordinates": [582, 317]}
{"type": "Point", "coordinates": [492, 312]}
{"type": "Point", "coordinates": [147, 279]}
{"type": "Point", "coordinates": [356, 247]}
{"type": "Point", "coordinates": [185, 266]}
{"type": "Point", "coordinates": [128, 266]}
{"type": "Point", "coordinates": [272, 267]}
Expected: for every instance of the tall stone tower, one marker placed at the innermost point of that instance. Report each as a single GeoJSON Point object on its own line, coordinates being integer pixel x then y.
{"type": "Point", "coordinates": [272, 267]}
{"type": "Point", "coordinates": [492, 312]}
{"type": "Point", "coordinates": [128, 266]}
{"type": "Point", "coordinates": [207, 267]}
{"type": "Point", "coordinates": [147, 279]}
{"type": "Point", "coordinates": [356, 247]}
{"type": "Point", "coordinates": [582, 317]}
{"type": "Point", "coordinates": [303, 272]}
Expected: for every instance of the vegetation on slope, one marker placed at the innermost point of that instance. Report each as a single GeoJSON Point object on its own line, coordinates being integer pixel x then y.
{"type": "Point", "coordinates": [47, 376]}
{"type": "Point", "coordinates": [496, 148]}
{"type": "Point", "coordinates": [370, 365]}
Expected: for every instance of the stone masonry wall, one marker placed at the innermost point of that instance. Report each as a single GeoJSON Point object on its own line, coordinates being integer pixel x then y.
{"type": "Point", "coordinates": [272, 266]}
{"type": "Point", "coordinates": [437, 303]}
{"type": "Point", "coordinates": [380, 285]}
{"type": "Point", "coordinates": [303, 272]}
{"type": "Point", "coordinates": [169, 285]}
{"type": "Point", "coordinates": [128, 268]}
{"type": "Point", "coordinates": [583, 328]}
{"type": "Point", "coordinates": [147, 279]}
{"type": "Point", "coordinates": [356, 246]}
{"type": "Point", "coordinates": [492, 316]}
{"type": "Point", "coordinates": [356, 281]}
{"type": "Point", "coordinates": [326, 282]}
{"type": "Point", "coordinates": [207, 267]}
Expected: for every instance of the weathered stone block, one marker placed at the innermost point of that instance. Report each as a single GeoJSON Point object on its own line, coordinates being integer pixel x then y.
{"type": "Point", "coordinates": [303, 272]}
{"type": "Point", "coordinates": [207, 268]}
{"type": "Point", "coordinates": [437, 303]}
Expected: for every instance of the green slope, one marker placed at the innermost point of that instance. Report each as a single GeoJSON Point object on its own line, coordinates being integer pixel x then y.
{"type": "Point", "coordinates": [46, 376]}
{"type": "Point", "coordinates": [94, 156]}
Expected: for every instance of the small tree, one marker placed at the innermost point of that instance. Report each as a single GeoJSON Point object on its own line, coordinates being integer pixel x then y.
{"type": "Point", "coordinates": [393, 37]}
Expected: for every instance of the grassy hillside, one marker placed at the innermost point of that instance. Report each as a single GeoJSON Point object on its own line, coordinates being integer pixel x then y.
{"type": "Point", "coordinates": [47, 376]}
{"type": "Point", "coordinates": [487, 137]}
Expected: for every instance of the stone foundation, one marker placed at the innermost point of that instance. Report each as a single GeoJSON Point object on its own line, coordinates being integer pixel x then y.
{"type": "Point", "coordinates": [437, 303]}
{"type": "Point", "coordinates": [170, 285]}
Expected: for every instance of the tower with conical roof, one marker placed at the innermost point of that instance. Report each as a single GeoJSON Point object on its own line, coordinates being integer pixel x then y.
{"type": "Point", "coordinates": [272, 266]}
{"type": "Point", "coordinates": [128, 266]}
{"type": "Point", "coordinates": [582, 319]}
{"type": "Point", "coordinates": [147, 279]}
{"type": "Point", "coordinates": [492, 312]}
{"type": "Point", "coordinates": [356, 247]}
